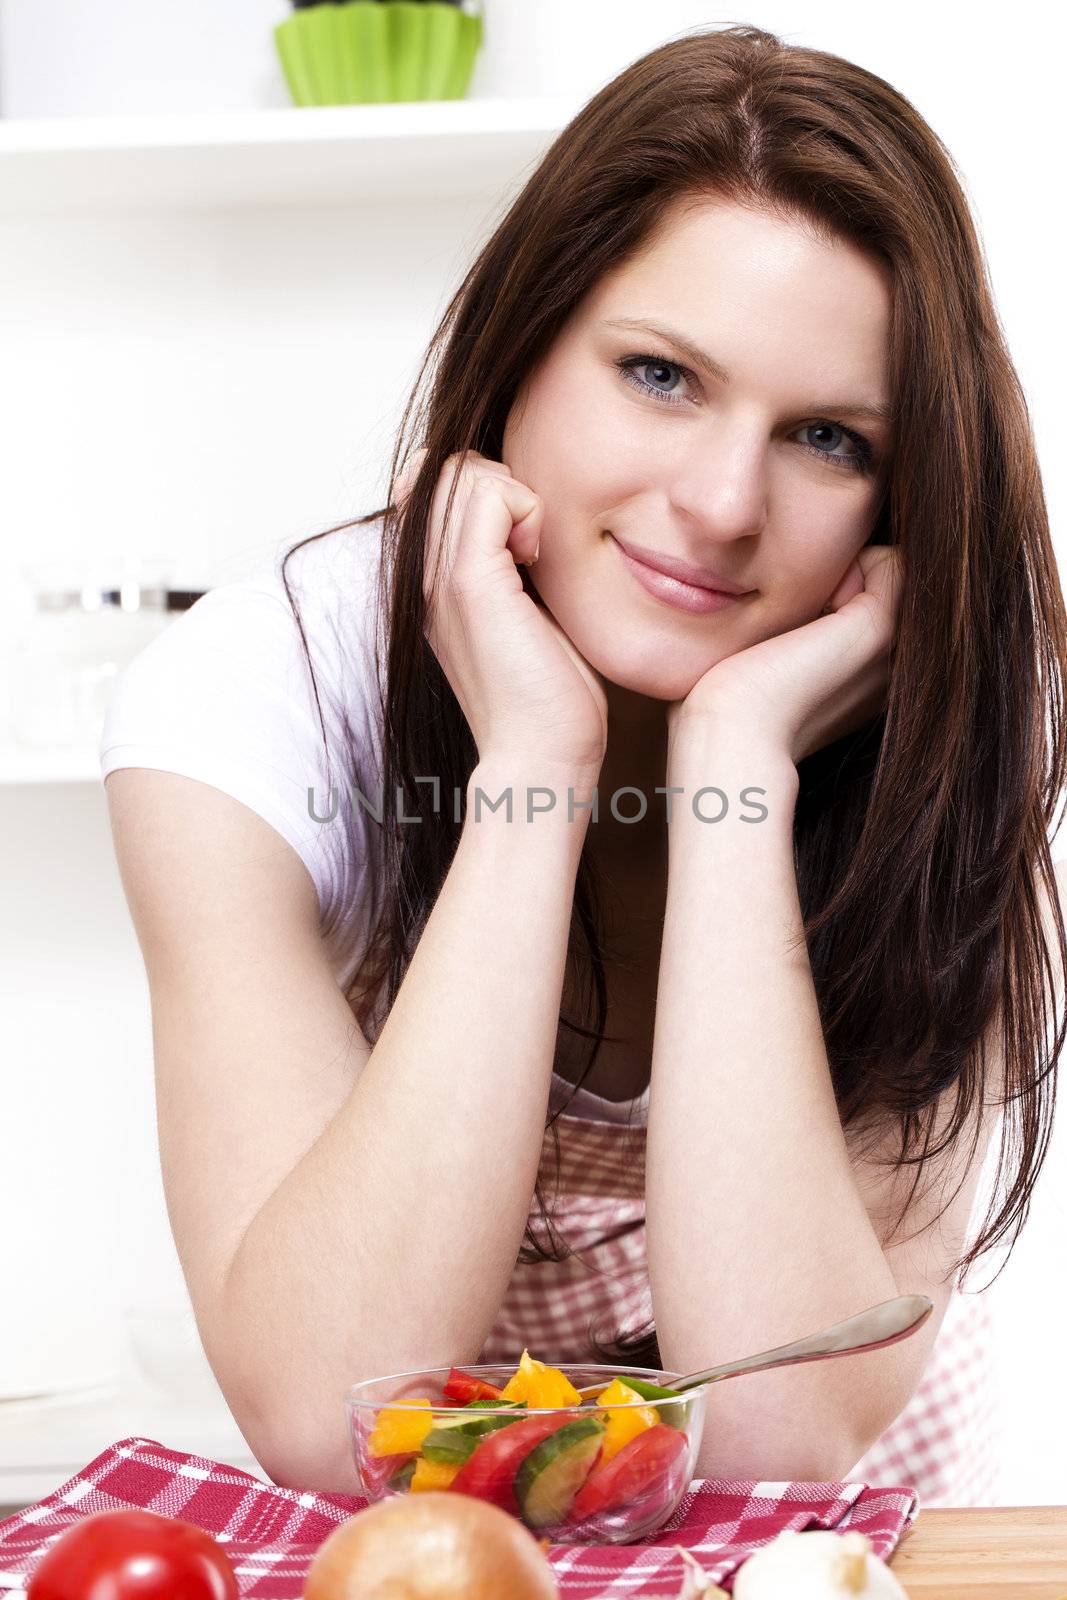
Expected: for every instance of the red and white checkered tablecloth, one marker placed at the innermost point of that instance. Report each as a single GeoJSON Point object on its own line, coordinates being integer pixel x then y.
{"type": "Point", "coordinates": [271, 1534]}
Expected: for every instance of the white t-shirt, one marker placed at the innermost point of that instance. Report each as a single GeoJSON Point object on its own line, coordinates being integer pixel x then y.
{"type": "Point", "coordinates": [224, 695]}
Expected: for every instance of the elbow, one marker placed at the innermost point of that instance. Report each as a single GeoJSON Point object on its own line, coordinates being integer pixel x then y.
{"type": "Point", "coordinates": [316, 1471]}
{"type": "Point", "coordinates": [299, 1441]}
{"type": "Point", "coordinates": [779, 1461]}
{"type": "Point", "coordinates": [837, 1462]}
{"type": "Point", "coordinates": [313, 1454]}
{"type": "Point", "coordinates": [866, 1435]}
{"type": "Point", "coordinates": [817, 1460]}
{"type": "Point", "coordinates": [885, 1396]}
{"type": "Point", "coordinates": [305, 1458]}
{"type": "Point", "coordinates": [760, 1446]}
{"type": "Point", "coordinates": [833, 1459]}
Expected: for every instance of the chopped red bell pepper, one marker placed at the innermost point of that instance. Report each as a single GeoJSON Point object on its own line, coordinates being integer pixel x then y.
{"type": "Point", "coordinates": [637, 1469]}
{"type": "Point", "coordinates": [490, 1471]}
{"type": "Point", "coordinates": [462, 1386]}
{"type": "Point", "coordinates": [375, 1471]}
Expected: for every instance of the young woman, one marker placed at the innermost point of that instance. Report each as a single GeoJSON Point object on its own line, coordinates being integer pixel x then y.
{"type": "Point", "coordinates": [767, 933]}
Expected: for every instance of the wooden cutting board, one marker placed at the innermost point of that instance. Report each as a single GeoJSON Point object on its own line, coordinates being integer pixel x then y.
{"type": "Point", "coordinates": [979, 1553]}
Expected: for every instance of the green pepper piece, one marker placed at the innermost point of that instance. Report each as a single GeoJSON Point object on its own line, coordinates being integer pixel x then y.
{"type": "Point", "coordinates": [401, 1479]}
{"type": "Point", "coordinates": [484, 1405]}
{"type": "Point", "coordinates": [676, 1416]}
{"type": "Point", "coordinates": [650, 1391]}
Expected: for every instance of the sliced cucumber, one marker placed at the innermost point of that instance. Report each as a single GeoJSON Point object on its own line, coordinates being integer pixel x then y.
{"type": "Point", "coordinates": [402, 1478]}
{"type": "Point", "coordinates": [462, 1422]}
{"type": "Point", "coordinates": [490, 1424]}
{"type": "Point", "coordinates": [481, 1425]}
{"type": "Point", "coordinates": [551, 1475]}
{"type": "Point", "coordinates": [449, 1445]}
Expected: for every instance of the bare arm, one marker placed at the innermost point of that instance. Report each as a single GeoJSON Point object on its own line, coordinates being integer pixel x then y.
{"type": "Point", "coordinates": [391, 1242]}
{"type": "Point", "coordinates": [757, 1228]}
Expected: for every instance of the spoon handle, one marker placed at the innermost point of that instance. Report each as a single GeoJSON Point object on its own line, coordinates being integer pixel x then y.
{"type": "Point", "coordinates": [869, 1330]}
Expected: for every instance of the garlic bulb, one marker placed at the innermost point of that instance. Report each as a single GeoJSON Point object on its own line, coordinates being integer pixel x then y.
{"type": "Point", "coordinates": [817, 1565]}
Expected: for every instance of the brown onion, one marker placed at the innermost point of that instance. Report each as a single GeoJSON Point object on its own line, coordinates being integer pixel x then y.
{"type": "Point", "coordinates": [433, 1545]}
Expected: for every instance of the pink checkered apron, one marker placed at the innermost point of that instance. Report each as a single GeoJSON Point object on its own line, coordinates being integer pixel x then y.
{"type": "Point", "coordinates": [944, 1443]}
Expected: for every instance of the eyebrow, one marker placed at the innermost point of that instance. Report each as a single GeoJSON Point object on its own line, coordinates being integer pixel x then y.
{"type": "Point", "coordinates": [876, 410]}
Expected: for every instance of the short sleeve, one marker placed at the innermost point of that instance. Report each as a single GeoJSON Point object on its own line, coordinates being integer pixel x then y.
{"type": "Point", "coordinates": [225, 695]}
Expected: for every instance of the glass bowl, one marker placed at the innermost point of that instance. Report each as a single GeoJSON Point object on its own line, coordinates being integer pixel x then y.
{"type": "Point", "coordinates": [585, 1474]}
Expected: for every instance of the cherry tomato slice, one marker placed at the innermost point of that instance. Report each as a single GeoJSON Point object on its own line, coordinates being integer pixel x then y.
{"type": "Point", "coordinates": [133, 1555]}
{"type": "Point", "coordinates": [636, 1470]}
{"type": "Point", "coordinates": [490, 1471]}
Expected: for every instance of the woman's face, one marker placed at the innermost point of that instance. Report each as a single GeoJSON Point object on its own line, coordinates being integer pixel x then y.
{"type": "Point", "coordinates": [765, 472]}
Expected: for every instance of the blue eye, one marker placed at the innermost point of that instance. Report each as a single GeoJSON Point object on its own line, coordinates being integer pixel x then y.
{"type": "Point", "coordinates": [631, 363]}
{"type": "Point", "coordinates": [862, 460]}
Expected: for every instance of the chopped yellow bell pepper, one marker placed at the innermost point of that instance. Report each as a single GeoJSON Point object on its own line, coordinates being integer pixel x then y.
{"type": "Point", "coordinates": [539, 1385]}
{"type": "Point", "coordinates": [397, 1430]}
{"type": "Point", "coordinates": [623, 1425]}
{"type": "Point", "coordinates": [432, 1474]}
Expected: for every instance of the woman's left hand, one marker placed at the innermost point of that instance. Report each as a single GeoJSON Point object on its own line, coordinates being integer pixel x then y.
{"type": "Point", "coordinates": [804, 689]}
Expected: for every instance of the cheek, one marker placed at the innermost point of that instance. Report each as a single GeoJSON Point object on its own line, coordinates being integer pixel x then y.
{"type": "Point", "coordinates": [564, 432]}
{"type": "Point", "coordinates": [809, 568]}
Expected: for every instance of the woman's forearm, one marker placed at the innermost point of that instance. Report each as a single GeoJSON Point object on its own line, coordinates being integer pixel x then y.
{"type": "Point", "coordinates": [756, 1230]}
{"type": "Point", "coordinates": [391, 1244]}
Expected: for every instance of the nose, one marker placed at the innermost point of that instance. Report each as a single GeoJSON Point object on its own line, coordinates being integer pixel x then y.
{"type": "Point", "coordinates": [719, 484]}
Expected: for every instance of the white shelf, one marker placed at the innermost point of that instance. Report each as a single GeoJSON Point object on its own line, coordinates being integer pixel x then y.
{"type": "Point", "coordinates": [289, 156]}
{"type": "Point", "coordinates": [60, 765]}
{"type": "Point", "coordinates": [44, 1442]}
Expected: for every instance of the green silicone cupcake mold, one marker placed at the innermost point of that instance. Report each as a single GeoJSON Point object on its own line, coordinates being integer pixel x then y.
{"type": "Point", "coordinates": [369, 51]}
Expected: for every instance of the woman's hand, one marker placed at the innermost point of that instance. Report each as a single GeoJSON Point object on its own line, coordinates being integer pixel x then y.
{"type": "Point", "coordinates": [530, 698]}
{"type": "Point", "coordinates": [805, 688]}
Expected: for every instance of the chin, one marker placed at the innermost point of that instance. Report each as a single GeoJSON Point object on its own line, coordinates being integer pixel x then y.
{"type": "Point", "coordinates": [658, 682]}
{"type": "Point", "coordinates": [651, 691]}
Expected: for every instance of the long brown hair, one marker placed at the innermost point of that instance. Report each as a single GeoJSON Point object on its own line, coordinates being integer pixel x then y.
{"type": "Point", "coordinates": [919, 838]}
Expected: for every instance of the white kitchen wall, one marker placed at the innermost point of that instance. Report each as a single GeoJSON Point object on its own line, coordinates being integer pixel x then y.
{"type": "Point", "coordinates": [209, 383]}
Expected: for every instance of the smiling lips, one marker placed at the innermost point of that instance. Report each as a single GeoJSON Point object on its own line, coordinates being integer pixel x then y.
{"type": "Point", "coordinates": [674, 591]}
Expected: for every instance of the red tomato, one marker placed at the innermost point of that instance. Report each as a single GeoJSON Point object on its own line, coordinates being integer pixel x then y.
{"type": "Point", "coordinates": [490, 1472]}
{"type": "Point", "coordinates": [639, 1467]}
{"type": "Point", "coordinates": [133, 1555]}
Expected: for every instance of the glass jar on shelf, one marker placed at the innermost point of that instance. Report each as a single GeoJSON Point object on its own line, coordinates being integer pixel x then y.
{"type": "Point", "coordinates": [82, 624]}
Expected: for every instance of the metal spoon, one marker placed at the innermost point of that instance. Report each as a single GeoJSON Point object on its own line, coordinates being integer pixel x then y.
{"type": "Point", "coordinates": [867, 1330]}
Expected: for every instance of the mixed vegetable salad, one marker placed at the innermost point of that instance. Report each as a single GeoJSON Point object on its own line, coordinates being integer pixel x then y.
{"type": "Point", "coordinates": [599, 1455]}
